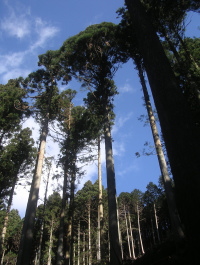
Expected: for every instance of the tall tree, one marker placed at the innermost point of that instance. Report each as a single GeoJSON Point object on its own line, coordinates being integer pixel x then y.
{"type": "Point", "coordinates": [93, 56]}
{"type": "Point", "coordinates": [176, 119]}
{"type": "Point", "coordinates": [45, 104]}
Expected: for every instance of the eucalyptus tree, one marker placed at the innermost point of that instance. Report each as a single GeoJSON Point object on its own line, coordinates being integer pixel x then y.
{"type": "Point", "coordinates": [43, 87]}
{"type": "Point", "coordinates": [178, 124]}
{"type": "Point", "coordinates": [93, 56]}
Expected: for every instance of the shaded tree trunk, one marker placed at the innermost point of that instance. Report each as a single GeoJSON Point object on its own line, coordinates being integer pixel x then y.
{"type": "Point", "coordinates": [100, 207]}
{"type": "Point", "coordinates": [59, 256]}
{"type": "Point", "coordinates": [115, 250]}
{"type": "Point", "coordinates": [69, 255]}
{"type": "Point", "coordinates": [180, 129]}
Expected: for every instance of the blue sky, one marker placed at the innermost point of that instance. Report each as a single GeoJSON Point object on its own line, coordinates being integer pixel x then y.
{"type": "Point", "coordinates": [31, 27]}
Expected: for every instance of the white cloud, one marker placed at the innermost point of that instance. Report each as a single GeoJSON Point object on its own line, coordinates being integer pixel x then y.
{"type": "Point", "coordinates": [126, 88]}
{"type": "Point", "coordinates": [118, 149]}
{"type": "Point", "coordinates": [16, 23]}
{"type": "Point", "coordinates": [19, 23]}
{"type": "Point", "coordinates": [120, 121]}
{"type": "Point", "coordinates": [44, 32]}
{"type": "Point", "coordinates": [17, 26]}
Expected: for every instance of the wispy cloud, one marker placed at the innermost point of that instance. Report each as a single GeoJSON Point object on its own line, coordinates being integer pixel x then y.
{"type": "Point", "coordinates": [120, 121]}
{"type": "Point", "coordinates": [44, 32]}
{"type": "Point", "coordinates": [126, 88]}
{"type": "Point", "coordinates": [16, 23]}
{"type": "Point", "coordinates": [19, 23]}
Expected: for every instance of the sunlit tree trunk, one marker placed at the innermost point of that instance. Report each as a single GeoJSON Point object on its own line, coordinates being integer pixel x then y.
{"type": "Point", "coordinates": [50, 243]}
{"type": "Point", "coordinates": [156, 220]}
{"type": "Point", "coordinates": [139, 230]}
{"type": "Point", "coordinates": [131, 232]}
{"type": "Point", "coordinates": [42, 225]}
{"type": "Point", "coordinates": [174, 216]}
{"type": "Point", "coordinates": [25, 251]}
{"type": "Point", "coordinates": [127, 232]}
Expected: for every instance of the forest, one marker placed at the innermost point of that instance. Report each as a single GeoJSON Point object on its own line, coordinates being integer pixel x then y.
{"type": "Point", "coordinates": [93, 225]}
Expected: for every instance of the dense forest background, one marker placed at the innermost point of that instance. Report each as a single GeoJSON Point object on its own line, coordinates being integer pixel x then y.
{"type": "Point", "coordinates": [93, 225]}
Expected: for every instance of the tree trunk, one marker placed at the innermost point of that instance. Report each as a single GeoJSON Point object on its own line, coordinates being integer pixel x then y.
{"type": "Point", "coordinates": [78, 246]}
{"type": "Point", "coordinates": [127, 232]}
{"type": "Point", "coordinates": [59, 256]}
{"type": "Point", "coordinates": [115, 250]}
{"type": "Point", "coordinates": [180, 129]}
{"type": "Point", "coordinates": [156, 220]}
{"type": "Point", "coordinates": [132, 240]}
{"type": "Point", "coordinates": [42, 225]}
{"type": "Point", "coordinates": [50, 243]}
{"type": "Point", "coordinates": [174, 216]}
{"type": "Point", "coordinates": [26, 242]}
{"type": "Point", "coordinates": [100, 206]}
{"type": "Point", "coordinates": [83, 248]}
{"type": "Point", "coordinates": [89, 237]}
{"type": "Point", "coordinates": [69, 234]}
{"type": "Point", "coordinates": [139, 230]}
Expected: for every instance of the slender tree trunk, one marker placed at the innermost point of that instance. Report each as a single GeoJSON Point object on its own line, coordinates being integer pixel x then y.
{"type": "Point", "coordinates": [83, 248]}
{"type": "Point", "coordinates": [120, 241]}
{"type": "Point", "coordinates": [89, 237]}
{"type": "Point", "coordinates": [156, 220]}
{"type": "Point", "coordinates": [153, 233]}
{"type": "Point", "coordinates": [50, 243]}
{"type": "Point", "coordinates": [127, 232]}
{"type": "Point", "coordinates": [42, 225]}
{"type": "Point", "coordinates": [115, 250]}
{"type": "Point", "coordinates": [180, 128]}
{"type": "Point", "coordinates": [139, 230]}
{"type": "Point", "coordinates": [100, 207]}
{"type": "Point", "coordinates": [78, 252]}
{"type": "Point", "coordinates": [174, 216]}
{"type": "Point", "coordinates": [59, 258]}
{"type": "Point", "coordinates": [26, 242]}
{"type": "Point", "coordinates": [69, 235]}
{"type": "Point", "coordinates": [132, 240]}
{"type": "Point", "coordinates": [4, 230]}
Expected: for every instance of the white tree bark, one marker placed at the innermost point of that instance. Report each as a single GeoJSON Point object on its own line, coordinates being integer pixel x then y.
{"type": "Point", "coordinates": [131, 232]}
{"type": "Point", "coordinates": [139, 230]}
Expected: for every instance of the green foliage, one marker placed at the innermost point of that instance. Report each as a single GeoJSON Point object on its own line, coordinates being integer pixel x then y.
{"type": "Point", "coordinates": [12, 238]}
{"type": "Point", "coordinates": [11, 96]}
{"type": "Point", "coordinates": [16, 157]}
